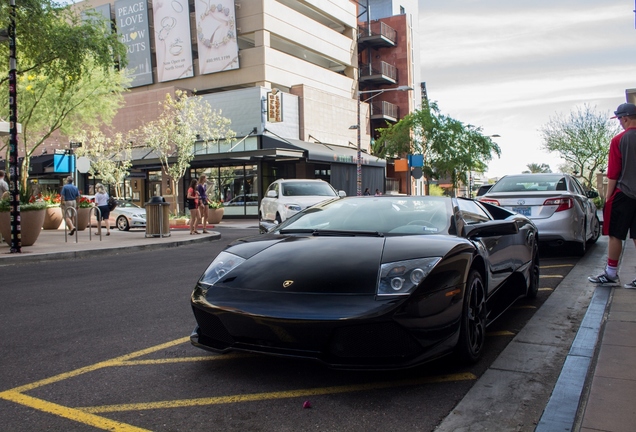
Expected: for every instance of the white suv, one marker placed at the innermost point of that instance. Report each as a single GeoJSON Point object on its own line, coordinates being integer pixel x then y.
{"type": "Point", "coordinates": [285, 198]}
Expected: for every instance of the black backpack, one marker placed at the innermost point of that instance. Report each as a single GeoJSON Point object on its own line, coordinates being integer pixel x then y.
{"type": "Point", "coordinates": [112, 203]}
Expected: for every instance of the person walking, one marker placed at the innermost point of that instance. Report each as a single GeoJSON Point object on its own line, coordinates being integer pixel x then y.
{"type": "Point", "coordinates": [619, 213]}
{"type": "Point", "coordinates": [4, 186]}
{"type": "Point", "coordinates": [101, 201]}
{"type": "Point", "coordinates": [202, 188]}
{"type": "Point", "coordinates": [193, 206]}
{"type": "Point", "coordinates": [68, 199]}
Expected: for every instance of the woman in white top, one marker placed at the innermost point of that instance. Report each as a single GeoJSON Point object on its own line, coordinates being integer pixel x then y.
{"type": "Point", "coordinates": [101, 201]}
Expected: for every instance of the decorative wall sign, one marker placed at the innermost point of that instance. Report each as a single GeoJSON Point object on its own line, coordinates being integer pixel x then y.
{"type": "Point", "coordinates": [172, 39]}
{"type": "Point", "coordinates": [131, 17]}
{"type": "Point", "coordinates": [216, 35]}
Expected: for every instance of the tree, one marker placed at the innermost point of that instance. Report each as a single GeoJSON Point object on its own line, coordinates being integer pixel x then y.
{"type": "Point", "coordinates": [66, 75]}
{"type": "Point", "coordinates": [450, 147]}
{"type": "Point", "coordinates": [582, 139]}
{"type": "Point", "coordinates": [538, 168]}
{"type": "Point", "coordinates": [183, 120]}
{"type": "Point", "coordinates": [110, 157]}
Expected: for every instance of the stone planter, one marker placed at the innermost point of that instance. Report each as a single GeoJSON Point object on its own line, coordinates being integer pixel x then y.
{"type": "Point", "coordinates": [215, 215]}
{"type": "Point", "coordinates": [30, 226]}
{"type": "Point", "coordinates": [83, 215]}
{"type": "Point", "coordinates": [179, 223]}
{"type": "Point", "coordinates": [52, 218]}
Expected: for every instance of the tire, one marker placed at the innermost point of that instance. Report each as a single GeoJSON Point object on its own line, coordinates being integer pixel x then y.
{"type": "Point", "coordinates": [279, 220]}
{"type": "Point", "coordinates": [122, 223]}
{"type": "Point", "coordinates": [533, 286]}
{"type": "Point", "coordinates": [472, 335]}
{"type": "Point", "coordinates": [596, 231]}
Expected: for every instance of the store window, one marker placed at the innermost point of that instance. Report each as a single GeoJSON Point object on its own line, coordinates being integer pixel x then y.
{"type": "Point", "coordinates": [236, 186]}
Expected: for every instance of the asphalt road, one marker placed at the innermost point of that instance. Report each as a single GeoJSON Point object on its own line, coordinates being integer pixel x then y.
{"type": "Point", "coordinates": [102, 343]}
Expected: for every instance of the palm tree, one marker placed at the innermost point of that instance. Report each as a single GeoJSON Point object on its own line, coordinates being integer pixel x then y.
{"type": "Point", "coordinates": [537, 168]}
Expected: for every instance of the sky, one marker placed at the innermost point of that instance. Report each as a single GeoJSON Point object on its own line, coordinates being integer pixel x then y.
{"type": "Point", "coordinates": [509, 66]}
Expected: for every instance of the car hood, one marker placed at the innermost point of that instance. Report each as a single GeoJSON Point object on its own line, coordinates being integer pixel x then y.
{"type": "Point", "coordinates": [304, 201]}
{"type": "Point", "coordinates": [326, 265]}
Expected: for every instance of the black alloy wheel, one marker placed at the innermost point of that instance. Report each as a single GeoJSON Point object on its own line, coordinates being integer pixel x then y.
{"type": "Point", "coordinates": [472, 336]}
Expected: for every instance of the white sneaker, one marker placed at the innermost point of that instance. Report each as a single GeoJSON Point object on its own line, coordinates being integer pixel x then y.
{"type": "Point", "coordinates": [603, 279]}
{"type": "Point", "coordinates": [631, 285]}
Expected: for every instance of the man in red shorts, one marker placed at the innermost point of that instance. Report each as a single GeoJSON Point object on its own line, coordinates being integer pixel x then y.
{"type": "Point", "coordinates": [619, 214]}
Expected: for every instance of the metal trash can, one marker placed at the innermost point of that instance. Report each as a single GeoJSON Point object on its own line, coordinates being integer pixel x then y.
{"type": "Point", "coordinates": [157, 217]}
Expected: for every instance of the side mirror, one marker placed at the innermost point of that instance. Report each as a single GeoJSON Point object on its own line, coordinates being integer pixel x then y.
{"type": "Point", "coordinates": [591, 194]}
{"type": "Point", "coordinates": [266, 226]}
{"type": "Point", "coordinates": [491, 229]}
{"type": "Point", "coordinates": [272, 194]}
{"type": "Point", "coordinates": [342, 193]}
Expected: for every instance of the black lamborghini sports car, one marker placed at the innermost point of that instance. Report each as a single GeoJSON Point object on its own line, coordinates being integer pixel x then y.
{"type": "Point", "coordinates": [369, 282]}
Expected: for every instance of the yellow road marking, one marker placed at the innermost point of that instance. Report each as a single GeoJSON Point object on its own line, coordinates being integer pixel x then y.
{"type": "Point", "coordinates": [557, 266]}
{"type": "Point", "coordinates": [69, 413]}
{"type": "Point", "coordinates": [217, 400]}
{"type": "Point", "coordinates": [525, 307]}
{"type": "Point", "coordinates": [113, 362]}
{"type": "Point", "coordinates": [550, 276]}
{"type": "Point", "coordinates": [500, 333]}
{"type": "Point", "coordinates": [546, 289]}
{"type": "Point", "coordinates": [182, 360]}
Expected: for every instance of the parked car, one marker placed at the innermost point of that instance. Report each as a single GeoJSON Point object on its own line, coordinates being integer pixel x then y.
{"type": "Point", "coordinates": [483, 189]}
{"type": "Point", "coordinates": [561, 208]}
{"type": "Point", "coordinates": [285, 198]}
{"type": "Point", "coordinates": [239, 200]}
{"type": "Point", "coordinates": [369, 282]}
{"type": "Point", "coordinates": [128, 215]}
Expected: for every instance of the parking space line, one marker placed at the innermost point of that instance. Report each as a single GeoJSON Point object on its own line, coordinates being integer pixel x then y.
{"type": "Point", "coordinates": [217, 400]}
{"type": "Point", "coordinates": [69, 413]}
{"type": "Point", "coordinates": [500, 333]}
{"type": "Point", "coordinates": [546, 289]}
{"type": "Point", "coordinates": [550, 276]}
{"type": "Point", "coordinates": [524, 307]}
{"type": "Point", "coordinates": [556, 266]}
{"type": "Point", "coordinates": [183, 359]}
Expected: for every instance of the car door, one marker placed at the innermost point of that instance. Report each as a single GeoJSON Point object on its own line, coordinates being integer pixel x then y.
{"type": "Point", "coordinates": [269, 204]}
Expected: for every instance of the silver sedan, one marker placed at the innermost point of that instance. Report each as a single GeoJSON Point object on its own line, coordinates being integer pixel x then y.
{"type": "Point", "coordinates": [560, 207]}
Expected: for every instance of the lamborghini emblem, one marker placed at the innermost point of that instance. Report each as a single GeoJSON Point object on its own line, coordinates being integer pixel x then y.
{"type": "Point", "coordinates": [287, 283]}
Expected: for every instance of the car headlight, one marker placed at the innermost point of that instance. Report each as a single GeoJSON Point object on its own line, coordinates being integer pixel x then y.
{"type": "Point", "coordinates": [402, 277]}
{"type": "Point", "coordinates": [222, 265]}
{"type": "Point", "coordinates": [293, 207]}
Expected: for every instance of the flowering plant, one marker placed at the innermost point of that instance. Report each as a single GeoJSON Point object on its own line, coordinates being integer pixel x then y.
{"type": "Point", "coordinates": [50, 198]}
{"type": "Point", "coordinates": [85, 202]}
{"type": "Point", "coordinates": [215, 204]}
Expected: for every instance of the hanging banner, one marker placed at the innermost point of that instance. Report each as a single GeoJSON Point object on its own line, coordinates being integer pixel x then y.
{"type": "Point", "coordinates": [131, 17]}
{"type": "Point", "coordinates": [216, 35]}
{"type": "Point", "coordinates": [172, 39]}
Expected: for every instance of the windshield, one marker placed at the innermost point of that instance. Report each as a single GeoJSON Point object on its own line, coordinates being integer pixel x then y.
{"type": "Point", "coordinates": [386, 215]}
{"type": "Point", "coordinates": [306, 189]}
{"type": "Point", "coordinates": [530, 183]}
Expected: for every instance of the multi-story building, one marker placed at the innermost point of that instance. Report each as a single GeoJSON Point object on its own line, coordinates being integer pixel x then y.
{"type": "Point", "coordinates": [246, 57]}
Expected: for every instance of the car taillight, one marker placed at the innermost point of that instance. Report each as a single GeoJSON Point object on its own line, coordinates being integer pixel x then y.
{"type": "Point", "coordinates": [562, 203]}
{"type": "Point", "coordinates": [489, 201]}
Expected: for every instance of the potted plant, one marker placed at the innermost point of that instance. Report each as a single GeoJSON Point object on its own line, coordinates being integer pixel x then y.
{"type": "Point", "coordinates": [31, 221]}
{"type": "Point", "coordinates": [84, 207]}
{"type": "Point", "coordinates": [179, 220]}
{"type": "Point", "coordinates": [215, 212]}
{"type": "Point", "coordinates": [53, 214]}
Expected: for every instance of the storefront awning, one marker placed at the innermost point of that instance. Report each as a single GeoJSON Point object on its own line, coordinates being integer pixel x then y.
{"type": "Point", "coordinates": [319, 152]}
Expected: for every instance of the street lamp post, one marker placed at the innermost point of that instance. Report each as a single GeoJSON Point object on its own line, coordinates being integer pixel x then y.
{"type": "Point", "coordinates": [14, 168]}
{"type": "Point", "coordinates": [358, 127]}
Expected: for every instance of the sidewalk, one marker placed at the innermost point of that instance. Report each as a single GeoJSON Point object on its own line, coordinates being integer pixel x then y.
{"type": "Point", "coordinates": [571, 368]}
{"type": "Point", "coordinates": [52, 244]}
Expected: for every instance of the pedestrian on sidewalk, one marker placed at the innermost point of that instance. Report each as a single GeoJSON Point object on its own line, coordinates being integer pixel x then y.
{"type": "Point", "coordinates": [193, 206]}
{"type": "Point", "coordinates": [202, 188]}
{"type": "Point", "coordinates": [619, 213]}
{"type": "Point", "coordinates": [101, 201]}
{"type": "Point", "coordinates": [69, 197]}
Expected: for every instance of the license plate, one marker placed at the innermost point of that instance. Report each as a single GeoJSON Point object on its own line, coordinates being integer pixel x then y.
{"type": "Point", "coordinates": [525, 211]}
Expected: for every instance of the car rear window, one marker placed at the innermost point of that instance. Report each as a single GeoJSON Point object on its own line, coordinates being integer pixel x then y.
{"type": "Point", "coordinates": [530, 184]}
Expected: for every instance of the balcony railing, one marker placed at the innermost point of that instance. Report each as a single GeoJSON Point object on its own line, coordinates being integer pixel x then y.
{"type": "Point", "coordinates": [379, 73]}
{"type": "Point", "coordinates": [377, 34]}
{"type": "Point", "coordinates": [382, 110]}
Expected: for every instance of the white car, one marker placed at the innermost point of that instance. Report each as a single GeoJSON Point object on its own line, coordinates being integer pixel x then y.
{"type": "Point", "coordinates": [285, 198]}
{"type": "Point", "coordinates": [128, 215]}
